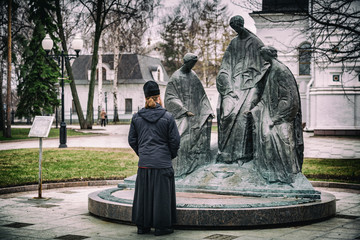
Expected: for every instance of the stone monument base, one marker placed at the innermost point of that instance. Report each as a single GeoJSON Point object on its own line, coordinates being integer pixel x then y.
{"type": "Point", "coordinates": [232, 179]}
{"type": "Point", "coordinates": [244, 180]}
{"type": "Point", "coordinates": [216, 210]}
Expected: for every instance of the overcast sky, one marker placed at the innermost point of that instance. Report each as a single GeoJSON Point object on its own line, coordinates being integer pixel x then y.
{"type": "Point", "coordinates": [232, 9]}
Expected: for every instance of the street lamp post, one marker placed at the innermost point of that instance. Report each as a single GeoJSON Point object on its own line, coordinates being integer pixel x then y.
{"type": "Point", "coordinates": [77, 44]}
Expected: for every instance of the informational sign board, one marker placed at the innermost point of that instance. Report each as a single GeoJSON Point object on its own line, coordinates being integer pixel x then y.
{"type": "Point", "coordinates": [41, 126]}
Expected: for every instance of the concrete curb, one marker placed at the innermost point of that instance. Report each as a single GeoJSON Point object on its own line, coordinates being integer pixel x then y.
{"type": "Point", "coordinates": [353, 186]}
{"type": "Point", "coordinates": [45, 186]}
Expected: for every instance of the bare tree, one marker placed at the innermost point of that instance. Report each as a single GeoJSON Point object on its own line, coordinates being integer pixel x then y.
{"type": "Point", "coordinates": [2, 112]}
{"type": "Point", "coordinates": [333, 28]}
{"type": "Point", "coordinates": [64, 34]}
{"type": "Point", "coordinates": [19, 26]}
{"type": "Point", "coordinates": [127, 35]}
{"type": "Point", "coordinates": [98, 14]}
{"type": "Point", "coordinates": [115, 88]}
{"type": "Point", "coordinates": [198, 27]}
{"type": "Point", "coordinates": [8, 89]}
{"type": "Point", "coordinates": [213, 27]}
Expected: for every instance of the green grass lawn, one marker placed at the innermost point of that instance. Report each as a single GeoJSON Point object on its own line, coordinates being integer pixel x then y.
{"type": "Point", "coordinates": [22, 133]}
{"type": "Point", "coordinates": [20, 167]}
{"type": "Point", "coordinates": [336, 170]}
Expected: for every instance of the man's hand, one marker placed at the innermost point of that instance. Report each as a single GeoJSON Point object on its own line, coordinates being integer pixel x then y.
{"type": "Point", "coordinates": [190, 114]}
{"type": "Point", "coordinates": [271, 124]}
{"type": "Point", "coordinates": [228, 105]}
{"type": "Point", "coordinates": [247, 113]}
{"type": "Point", "coordinates": [233, 95]}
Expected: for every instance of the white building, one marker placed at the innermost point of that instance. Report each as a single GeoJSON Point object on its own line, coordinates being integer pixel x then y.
{"type": "Point", "coordinates": [133, 71]}
{"type": "Point", "coordinates": [330, 96]}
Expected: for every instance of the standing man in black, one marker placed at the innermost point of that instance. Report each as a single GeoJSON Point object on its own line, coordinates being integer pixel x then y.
{"type": "Point", "coordinates": [155, 138]}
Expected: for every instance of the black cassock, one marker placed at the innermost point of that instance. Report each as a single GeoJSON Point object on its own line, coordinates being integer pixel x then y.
{"type": "Point", "coordinates": [154, 200]}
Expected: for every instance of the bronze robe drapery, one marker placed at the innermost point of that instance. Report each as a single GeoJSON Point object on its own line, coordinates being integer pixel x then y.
{"type": "Point", "coordinates": [241, 69]}
{"type": "Point", "coordinates": [278, 150]}
{"type": "Point", "coordinates": [185, 93]}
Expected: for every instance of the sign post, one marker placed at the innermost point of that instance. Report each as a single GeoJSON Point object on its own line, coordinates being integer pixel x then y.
{"type": "Point", "coordinates": [41, 128]}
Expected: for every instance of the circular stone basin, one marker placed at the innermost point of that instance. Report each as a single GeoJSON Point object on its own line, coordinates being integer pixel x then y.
{"type": "Point", "coordinates": [215, 210]}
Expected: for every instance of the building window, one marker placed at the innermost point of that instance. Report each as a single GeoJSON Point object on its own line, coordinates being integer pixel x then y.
{"type": "Point", "coordinates": [128, 106]}
{"type": "Point", "coordinates": [103, 74]}
{"type": "Point", "coordinates": [304, 59]}
{"type": "Point", "coordinates": [336, 78]}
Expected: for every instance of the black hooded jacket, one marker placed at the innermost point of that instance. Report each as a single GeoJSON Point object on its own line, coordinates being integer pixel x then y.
{"type": "Point", "coordinates": [154, 137]}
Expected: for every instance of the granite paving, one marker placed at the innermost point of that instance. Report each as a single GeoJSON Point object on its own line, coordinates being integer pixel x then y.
{"type": "Point", "coordinates": [64, 215]}
{"type": "Point", "coordinates": [22, 217]}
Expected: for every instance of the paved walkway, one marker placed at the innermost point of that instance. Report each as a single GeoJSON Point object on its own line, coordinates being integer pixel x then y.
{"type": "Point", "coordinates": [65, 216]}
{"type": "Point", "coordinates": [115, 136]}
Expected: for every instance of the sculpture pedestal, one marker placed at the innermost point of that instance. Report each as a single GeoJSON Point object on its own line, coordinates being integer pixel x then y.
{"type": "Point", "coordinates": [232, 179]}
{"type": "Point", "coordinates": [218, 210]}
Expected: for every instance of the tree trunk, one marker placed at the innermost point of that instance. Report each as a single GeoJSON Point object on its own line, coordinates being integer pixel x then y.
{"type": "Point", "coordinates": [99, 75]}
{"type": "Point", "coordinates": [90, 106]}
{"type": "Point", "coordinates": [8, 88]}
{"type": "Point", "coordinates": [116, 69]}
{"type": "Point", "coordinates": [204, 70]}
{"type": "Point", "coordinates": [207, 58]}
{"type": "Point", "coordinates": [94, 61]}
{"type": "Point", "coordinates": [69, 69]}
{"type": "Point", "coordinates": [2, 112]}
{"type": "Point", "coordinates": [75, 96]}
{"type": "Point", "coordinates": [115, 89]}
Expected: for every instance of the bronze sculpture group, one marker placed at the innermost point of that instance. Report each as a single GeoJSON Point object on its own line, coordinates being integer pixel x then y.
{"type": "Point", "coordinates": [186, 99]}
{"type": "Point", "coordinates": [259, 120]}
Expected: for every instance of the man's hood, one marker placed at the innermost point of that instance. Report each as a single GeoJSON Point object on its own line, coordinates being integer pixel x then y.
{"type": "Point", "coordinates": [152, 114]}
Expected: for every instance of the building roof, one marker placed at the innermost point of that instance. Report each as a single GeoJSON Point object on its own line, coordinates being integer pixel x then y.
{"type": "Point", "coordinates": [133, 68]}
{"type": "Point", "coordinates": [284, 6]}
